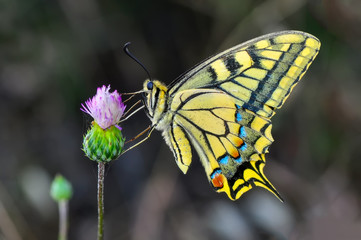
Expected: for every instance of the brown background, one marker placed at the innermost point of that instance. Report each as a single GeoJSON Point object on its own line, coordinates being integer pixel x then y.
{"type": "Point", "coordinates": [53, 55]}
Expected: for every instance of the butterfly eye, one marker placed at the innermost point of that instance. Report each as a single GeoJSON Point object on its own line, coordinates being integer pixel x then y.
{"type": "Point", "coordinates": [150, 85]}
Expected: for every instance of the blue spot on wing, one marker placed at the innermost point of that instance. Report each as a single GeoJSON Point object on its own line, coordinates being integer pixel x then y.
{"type": "Point", "coordinates": [242, 132]}
{"type": "Point", "coordinates": [238, 117]}
{"type": "Point", "coordinates": [224, 160]}
{"type": "Point", "coordinates": [244, 147]}
{"type": "Point", "coordinates": [239, 159]}
{"type": "Point", "coordinates": [216, 172]}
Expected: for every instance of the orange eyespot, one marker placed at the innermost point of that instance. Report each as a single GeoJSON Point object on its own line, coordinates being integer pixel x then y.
{"type": "Point", "coordinates": [238, 142]}
{"type": "Point", "coordinates": [234, 153]}
{"type": "Point", "coordinates": [217, 180]}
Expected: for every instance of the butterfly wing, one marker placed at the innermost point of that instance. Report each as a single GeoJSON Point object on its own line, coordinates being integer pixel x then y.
{"type": "Point", "coordinates": [230, 141]}
{"type": "Point", "coordinates": [258, 74]}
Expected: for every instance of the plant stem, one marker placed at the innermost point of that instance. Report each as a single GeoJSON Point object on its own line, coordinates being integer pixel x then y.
{"type": "Point", "coordinates": [101, 168]}
{"type": "Point", "coordinates": [63, 219]}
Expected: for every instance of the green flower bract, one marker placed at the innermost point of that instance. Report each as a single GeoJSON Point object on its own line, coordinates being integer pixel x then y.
{"type": "Point", "coordinates": [103, 145]}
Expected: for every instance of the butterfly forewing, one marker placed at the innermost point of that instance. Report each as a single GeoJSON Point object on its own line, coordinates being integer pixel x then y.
{"type": "Point", "coordinates": [258, 74]}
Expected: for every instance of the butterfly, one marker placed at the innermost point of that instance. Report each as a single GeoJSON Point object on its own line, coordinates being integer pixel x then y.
{"type": "Point", "coordinates": [223, 107]}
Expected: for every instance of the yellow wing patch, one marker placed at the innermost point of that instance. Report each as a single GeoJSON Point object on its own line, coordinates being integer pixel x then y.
{"type": "Point", "coordinates": [221, 70]}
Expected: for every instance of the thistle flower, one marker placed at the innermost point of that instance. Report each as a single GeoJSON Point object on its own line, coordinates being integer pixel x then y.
{"type": "Point", "coordinates": [104, 141]}
{"type": "Point", "coordinates": [106, 108]}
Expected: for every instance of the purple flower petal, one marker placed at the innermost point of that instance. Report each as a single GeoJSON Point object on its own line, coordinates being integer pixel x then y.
{"type": "Point", "coordinates": [106, 108]}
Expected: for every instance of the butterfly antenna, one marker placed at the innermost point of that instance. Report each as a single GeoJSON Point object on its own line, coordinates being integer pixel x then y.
{"type": "Point", "coordinates": [126, 50]}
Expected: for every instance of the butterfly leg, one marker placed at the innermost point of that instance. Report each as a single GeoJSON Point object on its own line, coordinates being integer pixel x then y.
{"type": "Point", "coordinates": [140, 142]}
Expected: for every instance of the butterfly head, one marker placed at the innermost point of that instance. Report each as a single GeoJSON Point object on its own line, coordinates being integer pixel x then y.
{"type": "Point", "coordinates": [155, 99]}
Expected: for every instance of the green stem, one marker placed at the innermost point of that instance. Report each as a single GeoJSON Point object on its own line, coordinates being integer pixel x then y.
{"type": "Point", "coordinates": [63, 219]}
{"type": "Point", "coordinates": [101, 168]}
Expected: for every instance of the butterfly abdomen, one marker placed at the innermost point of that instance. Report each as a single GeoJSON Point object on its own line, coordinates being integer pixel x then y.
{"type": "Point", "coordinates": [157, 107]}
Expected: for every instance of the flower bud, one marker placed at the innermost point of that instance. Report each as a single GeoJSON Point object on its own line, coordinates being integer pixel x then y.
{"type": "Point", "coordinates": [61, 188]}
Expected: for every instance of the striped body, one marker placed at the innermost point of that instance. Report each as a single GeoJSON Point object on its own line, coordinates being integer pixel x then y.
{"type": "Point", "coordinates": [223, 107]}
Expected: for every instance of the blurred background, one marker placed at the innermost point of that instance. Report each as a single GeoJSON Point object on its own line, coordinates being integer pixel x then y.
{"type": "Point", "coordinates": [53, 56]}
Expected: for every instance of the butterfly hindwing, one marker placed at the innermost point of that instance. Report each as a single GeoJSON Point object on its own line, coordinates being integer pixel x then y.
{"type": "Point", "coordinates": [226, 137]}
